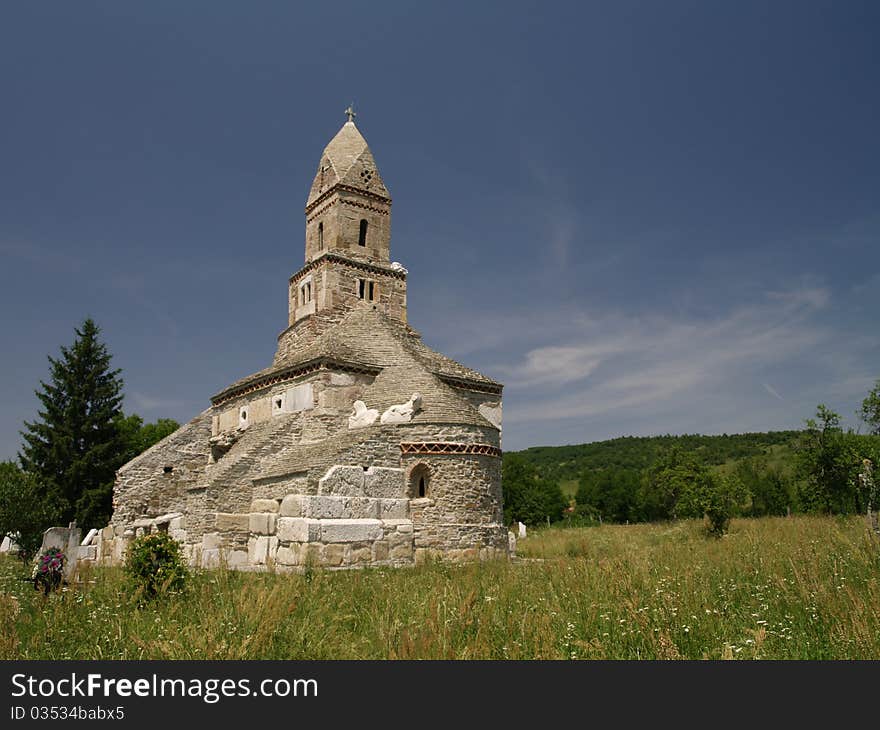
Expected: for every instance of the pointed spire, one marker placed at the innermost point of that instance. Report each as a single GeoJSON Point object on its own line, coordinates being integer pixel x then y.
{"type": "Point", "coordinates": [347, 160]}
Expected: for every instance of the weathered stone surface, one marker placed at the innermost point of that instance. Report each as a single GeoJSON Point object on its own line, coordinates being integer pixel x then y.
{"type": "Point", "coordinates": [227, 522]}
{"type": "Point", "coordinates": [343, 480]}
{"type": "Point", "coordinates": [299, 398]}
{"type": "Point", "coordinates": [350, 530]}
{"type": "Point", "coordinates": [380, 550]}
{"type": "Point", "coordinates": [236, 558]}
{"type": "Point", "coordinates": [326, 507]}
{"type": "Point", "coordinates": [332, 555]}
{"type": "Point", "coordinates": [288, 554]}
{"type": "Point", "coordinates": [262, 523]}
{"type": "Point", "coordinates": [261, 549]}
{"type": "Point", "coordinates": [393, 509]}
{"type": "Point", "coordinates": [264, 505]}
{"type": "Point", "coordinates": [341, 379]}
{"type": "Point", "coordinates": [298, 529]}
{"type": "Point", "coordinates": [492, 413]}
{"type": "Point", "coordinates": [292, 505]}
{"type": "Point", "coordinates": [386, 482]}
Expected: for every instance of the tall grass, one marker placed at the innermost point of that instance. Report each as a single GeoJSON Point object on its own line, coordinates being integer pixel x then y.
{"type": "Point", "coordinates": [786, 588]}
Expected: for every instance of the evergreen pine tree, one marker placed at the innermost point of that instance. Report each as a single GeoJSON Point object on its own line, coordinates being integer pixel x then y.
{"type": "Point", "coordinates": [77, 444]}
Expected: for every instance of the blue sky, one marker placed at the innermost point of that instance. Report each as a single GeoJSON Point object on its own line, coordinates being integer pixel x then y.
{"type": "Point", "coordinates": [642, 217]}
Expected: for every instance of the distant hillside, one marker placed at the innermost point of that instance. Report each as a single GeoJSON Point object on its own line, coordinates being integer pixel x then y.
{"type": "Point", "coordinates": [566, 464]}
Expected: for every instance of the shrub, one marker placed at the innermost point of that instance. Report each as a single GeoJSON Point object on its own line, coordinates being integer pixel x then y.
{"type": "Point", "coordinates": [26, 509]}
{"type": "Point", "coordinates": [154, 564]}
{"type": "Point", "coordinates": [49, 570]}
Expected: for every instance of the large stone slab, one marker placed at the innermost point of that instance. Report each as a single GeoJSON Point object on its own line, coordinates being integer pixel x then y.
{"type": "Point", "coordinates": [350, 530]}
{"type": "Point", "coordinates": [298, 529]}
{"type": "Point", "coordinates": [383, 481]}
{"type": "Point", "coordinates": [343, 480]}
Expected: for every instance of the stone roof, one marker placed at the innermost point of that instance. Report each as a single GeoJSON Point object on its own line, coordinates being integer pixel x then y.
{"type": "Point", "coordinates": [368, 339]}
{"type": "Point", "coordinates": [347, 160]}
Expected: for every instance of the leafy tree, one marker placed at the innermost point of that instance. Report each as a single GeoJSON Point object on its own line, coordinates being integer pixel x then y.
{"type": "Point", "coordinates": [611, 493]}
{"type": "Point", "coordinates": [770, 489]}
{"type": "Point", "coordinates": [828, 461]}
{"type": "Point", "coordinates": [870, 410]}
{"type": "Point", "coordinates": [140, 436]}
{"type": "Point", "coordinates": [76, 445]}
{"type": "Point", "coordinates": [714, 496]}
{"type": "Point", "coordinates": [528, 497]}
{"type": "Point", "coordinates": [668, 482]}
{"type": "Point", "coordinates": [25, 510]}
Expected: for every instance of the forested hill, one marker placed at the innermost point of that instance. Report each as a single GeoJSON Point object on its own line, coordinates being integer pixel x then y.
{"type": "Point", "coordinates": [565, 463]}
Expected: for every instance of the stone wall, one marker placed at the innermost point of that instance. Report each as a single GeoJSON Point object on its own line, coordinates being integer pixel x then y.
{"type": "Point", "coordinates": [156, 482]}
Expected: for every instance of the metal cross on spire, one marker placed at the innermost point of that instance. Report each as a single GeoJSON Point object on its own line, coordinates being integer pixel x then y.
{"type": "Point", "coordinates": [351, 112]}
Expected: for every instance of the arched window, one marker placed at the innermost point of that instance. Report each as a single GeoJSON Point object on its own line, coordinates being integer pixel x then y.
{"type": "Point", "coordinates": [419, 481]}
{"type": "Point", "coordinates": [362, 237]}
{"type": "Point", "coordinates": [321, 236]}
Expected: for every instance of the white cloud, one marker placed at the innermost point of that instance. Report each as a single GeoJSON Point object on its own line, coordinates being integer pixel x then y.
{"type": "Point", "coordinates": [613, 363]}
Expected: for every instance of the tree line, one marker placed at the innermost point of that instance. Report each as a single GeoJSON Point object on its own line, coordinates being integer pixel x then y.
{"type": "Point", "coordinates": [70, 453]}
{"type": "Point", "coordinates": [820, 468]}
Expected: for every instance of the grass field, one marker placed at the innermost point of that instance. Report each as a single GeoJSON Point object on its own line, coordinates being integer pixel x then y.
{"type": "Point", "coordinates": [786, 588]}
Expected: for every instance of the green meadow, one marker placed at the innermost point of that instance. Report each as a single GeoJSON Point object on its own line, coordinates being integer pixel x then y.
{"type": "Point", "coordinates": [773, 588]}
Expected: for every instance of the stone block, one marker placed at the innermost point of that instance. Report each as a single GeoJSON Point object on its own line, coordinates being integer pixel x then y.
{"type": "Point", "coordinates": [332, 555]}
{"type": "Point", "coordinates": [178, 523]}
{"type": "Point", "coordinates": [298, 529]}
{"type": "Point", "coordinates": [350, 530]}
{"type": "Point", "coordinates": [361, 555]}
{"type": "Point", "coordinates": [211, 541]}
{"type": "Point", "coordinates": [310, 554]}
{"type": "Point", "coordinates": [288, 555]}
{"type": "Point", "coordinates": [299, 398]}
{"type": "Point", "coordinates": [292, 505]}
{"type": "Point", "coordinates": [210, 558]}
{"type": "Point", "coordinates": [236, 558]}
{"type": "Point", "coordinates": [87, 552]}
{"type": "Point", "coordinates": [261, 550]}
{"type": "Point", "coordinates": [393, 509]}
{"type": "Point", "coordinates": [342, 480]}
{"type": "Point", "coordinates": [380, 550]}
{"type": "Point", "coordinates": [396, 538]}
{"type": "Point", "coordinates": [382, 481]}
{"type": "Point", "coordinates": [325, 507]}
{"type": "Point", "coordinates": [262, 523]}
{"type": "Point", "coordinates": [402, 552]}
{"type": "Point", "coordinates": [88, 539]}
{"type": "Point", "coordinates": [264, 505]}
{"type": "Point", "coordinates": [232, 522]}
{"type": "Point", "coordinates": [341, 379]}
{"type": "Point", "coordinates": [362, 508]}
{"type": "Point", "coordinates": [107, 533]}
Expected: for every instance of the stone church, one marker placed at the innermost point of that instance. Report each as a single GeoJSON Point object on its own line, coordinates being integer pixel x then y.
{"type": "Point", "coordinates": [359, 445]}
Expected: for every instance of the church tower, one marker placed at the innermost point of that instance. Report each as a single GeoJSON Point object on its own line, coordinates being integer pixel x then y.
{"type": "Point", "coordinates": [348, 237]}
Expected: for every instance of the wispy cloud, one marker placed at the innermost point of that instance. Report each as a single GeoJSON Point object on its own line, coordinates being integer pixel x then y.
{"type": "Point", "coordinates": [615, 362]}
{"type": "Point", "coordinates": [772, 391]}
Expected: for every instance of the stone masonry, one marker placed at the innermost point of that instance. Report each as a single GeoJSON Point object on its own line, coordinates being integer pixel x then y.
{"type": "Point", "coordinates": [357, 446]}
